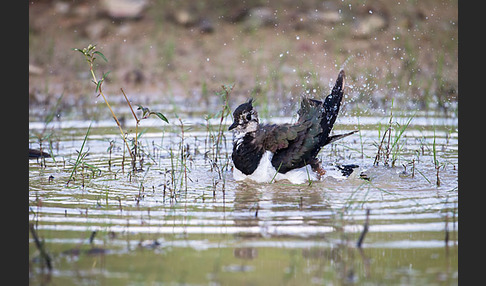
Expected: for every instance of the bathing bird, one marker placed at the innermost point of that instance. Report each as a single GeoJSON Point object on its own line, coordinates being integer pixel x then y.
{"type": "Point", "coordinates": [271, 152]}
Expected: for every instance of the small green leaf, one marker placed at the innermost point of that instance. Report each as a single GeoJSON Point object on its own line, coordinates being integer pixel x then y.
{"type": "Point", "coordinates": [140, 107]}
{"type": "Point", "coordinates": [106, 74]}
{"type": "Point", "coordinates": [160, 115]}
{"type": "Point", "coordinates": [145, 110]}
{"type": "Point", "coordinates": [98, 85]}
{"type": "Point", "coordinates": [101, 55]}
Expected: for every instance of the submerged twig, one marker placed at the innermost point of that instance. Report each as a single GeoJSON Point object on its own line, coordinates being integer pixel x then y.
{"type": "Point", "coordinates": [40, 247]}
{"type": "Point", "coordinates": [365, 229]}
{"type": "Point", "coordinates": [91, 237]}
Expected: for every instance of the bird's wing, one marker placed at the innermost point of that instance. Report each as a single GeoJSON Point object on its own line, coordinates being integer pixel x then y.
{"type": "Point", "coordinates": [278, 137]}
{"type": "Point", "coordinates": [292, 144]}
{"type": "Point", "coordinates": [297, 145]}
{"type": "Point", "coordinates": [333, 138]}
{"type": "Point", "coordinates": [331, 106]}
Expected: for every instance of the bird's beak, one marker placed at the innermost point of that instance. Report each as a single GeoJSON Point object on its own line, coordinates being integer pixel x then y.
{"type": "Point", "coordinates": [233, 126]}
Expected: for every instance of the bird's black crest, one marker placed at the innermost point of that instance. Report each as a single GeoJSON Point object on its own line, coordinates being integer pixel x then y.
{"type": "Point", "coordinates": [247, 106]}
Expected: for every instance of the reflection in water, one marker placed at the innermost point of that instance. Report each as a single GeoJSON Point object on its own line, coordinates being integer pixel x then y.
{"type": "Point", "coordinates": [343, 261]}
{"type": "Point", "coordinates": [278, 210]}
{"type": "Point", "coordinates": [295, 206]}
{"type": "Point", "coordinates": [246, 207]}
{"type": "Point", "coordinates": [245, 252]}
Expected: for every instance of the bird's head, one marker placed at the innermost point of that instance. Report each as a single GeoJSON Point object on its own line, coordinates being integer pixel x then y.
{"type": "Point", "coordinates": [245, 118]}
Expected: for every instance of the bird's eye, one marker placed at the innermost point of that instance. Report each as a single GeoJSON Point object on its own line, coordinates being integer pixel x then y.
{"type": "Point", "coordinates": [248, 117]}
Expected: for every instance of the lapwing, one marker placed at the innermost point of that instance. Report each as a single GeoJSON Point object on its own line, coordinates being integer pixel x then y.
{"type": "Point", "coordinates": [272, 152]}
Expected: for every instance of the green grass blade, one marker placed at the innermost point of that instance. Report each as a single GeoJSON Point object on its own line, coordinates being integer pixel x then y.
{"type": "Point", "coordinates": [78, 160]}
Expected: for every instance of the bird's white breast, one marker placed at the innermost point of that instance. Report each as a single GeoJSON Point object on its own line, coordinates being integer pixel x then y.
{"type": "Point", "coordinates": [265, 173]}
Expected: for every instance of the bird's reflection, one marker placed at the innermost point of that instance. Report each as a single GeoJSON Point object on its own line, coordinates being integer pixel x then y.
{"type": "Point", "coordinates": [246, 207]}
{"type": "Point", "coordinates": [258, 208]}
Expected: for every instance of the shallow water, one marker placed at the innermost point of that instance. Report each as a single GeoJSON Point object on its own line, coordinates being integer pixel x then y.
{"type": "Point", "coordinates": [182, 219]}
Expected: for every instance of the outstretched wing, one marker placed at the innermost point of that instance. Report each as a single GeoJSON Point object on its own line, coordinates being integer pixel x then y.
{"type": "Point", "coordinates": [316, 119]}
{"type": "Point", "coordinates": [331, 105]}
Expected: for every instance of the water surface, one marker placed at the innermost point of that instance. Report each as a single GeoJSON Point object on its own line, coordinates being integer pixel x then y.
{"type": "Point", "coordinates": [182, 219]}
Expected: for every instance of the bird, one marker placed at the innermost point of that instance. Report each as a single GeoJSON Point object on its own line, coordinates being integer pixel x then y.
{"type": "Point", "coordinates": [270, 152]}
{"type": "Point", "coordinates": [35, 154]}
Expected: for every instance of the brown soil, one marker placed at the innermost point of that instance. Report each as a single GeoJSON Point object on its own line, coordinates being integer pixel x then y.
{"type": "Point", "coordinates": [411, 58]}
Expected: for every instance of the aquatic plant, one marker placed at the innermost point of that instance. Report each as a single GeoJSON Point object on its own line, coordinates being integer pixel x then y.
{"type": "Point", "coordinates": [81, 156]}
{"type": "Point", "coordinates": [388, 146]}
{"type": "Point", "coordinates": [216, 138]}
{"type": "Point", "coordinates": [46, 135]}
{"type": "Point", "coordinates": [437, 164]}
{"type": "Point", "coordinates": [90, 54]}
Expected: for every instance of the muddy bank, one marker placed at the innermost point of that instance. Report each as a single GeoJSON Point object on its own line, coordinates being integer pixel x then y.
{"type": "Point", "coordinates": [272, 51]}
